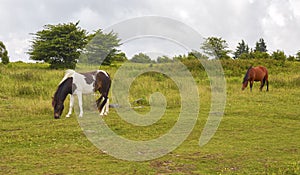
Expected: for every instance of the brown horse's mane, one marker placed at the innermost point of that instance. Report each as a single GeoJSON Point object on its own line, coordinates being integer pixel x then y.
{"type": "Point", "coordinates": [246, 75]}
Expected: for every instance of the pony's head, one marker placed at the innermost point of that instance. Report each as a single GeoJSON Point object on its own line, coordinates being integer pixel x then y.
{"type": "Point", "coordinates": [246, 78]}
{"type": "Point", "coordinates": [58, 107]}
{"type": "Point", "coordinates": [60, 95]}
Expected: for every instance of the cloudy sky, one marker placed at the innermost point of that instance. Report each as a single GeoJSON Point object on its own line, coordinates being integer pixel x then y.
{"type": "Point", "coordinates": [277, 21]}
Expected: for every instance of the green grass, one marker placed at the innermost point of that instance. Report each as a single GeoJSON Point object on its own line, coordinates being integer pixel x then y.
{"type": "Point", "coordinates": [259, 132]}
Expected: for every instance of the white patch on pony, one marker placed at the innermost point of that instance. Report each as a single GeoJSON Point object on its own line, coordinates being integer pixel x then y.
{"type": "Point", "coordinates": [105, 108]}
{"type": "Point", "coordinates": [69, 74]}
{"type": "Point", "coordinates": [105, 73]}
{"type": "Point", "coordinates": [81, 85]}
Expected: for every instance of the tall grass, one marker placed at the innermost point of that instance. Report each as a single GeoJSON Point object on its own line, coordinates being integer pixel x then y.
{"type": "Point", "coordinates": [259, 133]}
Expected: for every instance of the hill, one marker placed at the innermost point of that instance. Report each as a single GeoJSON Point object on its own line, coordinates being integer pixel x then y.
{"type": "Point", "coordinates": [258, 134]}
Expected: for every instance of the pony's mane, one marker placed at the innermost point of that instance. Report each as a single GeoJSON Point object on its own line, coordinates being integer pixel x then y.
{"type": "Point", "coordinates": [69, 74]}
{"type": "Point", "coordinates": [58, 91]}
{"type": "Point", "coordinates": [246, 75]}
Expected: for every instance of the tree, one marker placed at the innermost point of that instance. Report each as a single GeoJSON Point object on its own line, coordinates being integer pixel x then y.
{"type": "Point", "coordinates": [119, 57]}
{"type": "Point", "coordinates": [102, 48]}
{"type": "Point", "coordinates": [291, 58]}
{"type": "Point", "coordinates": [298, 56]}
{"type": "Point", "coordinates": [216, 47]}
{"type": "Point", "coordinates": [141, 58]}
{"type": "Point", "coordinates": [60, 45]}
{"type": "Point", "coordinates": [164, 59]}
{"type": "Point", "coordinates": [260, 46]}
{"type": "Point", "coordinates": [3, 53]}
{"type": "Point", "coordinates": [245, 56]}
{"type": "Point", "coordinates": [279, 55]}
{"type": "Point", "coordinates": [242, 48]}
{"type": "Point", "coordinates": [179, 57]}
{"type": "Point", "coordinates": [259, 55]}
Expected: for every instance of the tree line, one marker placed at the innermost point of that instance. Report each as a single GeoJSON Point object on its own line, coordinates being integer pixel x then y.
{"type": "Point", "coordinates": [3, 54]}
{"type": "Point", "coordinates": [64, 45]}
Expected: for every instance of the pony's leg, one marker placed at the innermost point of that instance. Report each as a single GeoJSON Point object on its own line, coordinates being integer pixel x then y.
{"type": "Point", "coordinates": [102, 106]}
{"type": "Point", "coordinates": [267, 85]}
{"type": "Point", "coordinates": [102, 112]}
{"type": "Point", "coordinates": [106, 107]}
{"type": "Point", "coordinates": [79, 95]}
{"type": "Point", "coordinates": [71, 105]}
{"type": "Point", "coordinates": [99, 101]}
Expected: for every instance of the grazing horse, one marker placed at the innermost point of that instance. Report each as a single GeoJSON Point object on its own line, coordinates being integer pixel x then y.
{"type": "Point", "coordinates": [258, 73]}
{"type": "Point", "coordinates": [75, 83]}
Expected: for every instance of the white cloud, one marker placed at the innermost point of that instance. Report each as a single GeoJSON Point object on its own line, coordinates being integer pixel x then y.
{"type": "Point", "coordinates": [152, 46]}
{"type": "Point", "coordinates": [281, 27]}
{"type": "Point", "coordinates": [277, 21]}
{"type": "Point", "coordinates": [89, 19]}
{"type": "Point", "coordinates": [20, 45]}
{"type": "Point", "coordinates": [295, 6]}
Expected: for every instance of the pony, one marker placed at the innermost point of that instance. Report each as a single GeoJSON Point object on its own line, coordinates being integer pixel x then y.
{"type": "Point", "coordinates": [258, 73]}
{"type": "Point", "coordinates": [74, 83]}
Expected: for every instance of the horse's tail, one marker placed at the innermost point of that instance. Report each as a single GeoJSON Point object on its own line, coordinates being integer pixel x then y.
{"type": "Point", "coordinates": [69, 73]}
{"type": "Point", "coordinates": [267, 74]}
{"type": "Point", "coordinates": [264, 80]}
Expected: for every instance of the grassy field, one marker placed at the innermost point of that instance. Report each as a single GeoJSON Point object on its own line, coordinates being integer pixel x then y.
{"type": "Point", "coordinates": [259, 132]}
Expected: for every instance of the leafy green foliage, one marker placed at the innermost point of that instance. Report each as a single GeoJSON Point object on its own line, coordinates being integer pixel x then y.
{"type": "Point", "coordinates": [60, 45]}
{"type": "Point", "coordinates": [291, 58]}
{"type": "Point", "coordinates": [279, 55]}
{"type": "Point", "coordinates": [245, 56]}
{"type": "Point", "coordinates": [241, 50]}
{"type": "Point", "coordinates": [259, 55]}
{"type": "Point", "coordinates": [260, 46]}
{"type": "Point", "coordinates": [102, 48]}
{"type": "Point", "coordinates": [216, 47]}
{"type": "Point", "coordinates": [118, 57]}
{"type": "Point", "coordinates": [164, 59]}
{"type": "Point", "coordinates": [141, 58]}
{"type": "Point", "coordinates": [3, 53]}
{"type": "Point", "coordinates": [298, 55]}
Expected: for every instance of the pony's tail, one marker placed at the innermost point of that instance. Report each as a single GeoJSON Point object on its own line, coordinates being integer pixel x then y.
{"type": "Point", "coordinates": [102, 84]}
{"type": "Point", "coordinates": [69, 73]}
{"type": "Point", "coordinates": [105, 90]}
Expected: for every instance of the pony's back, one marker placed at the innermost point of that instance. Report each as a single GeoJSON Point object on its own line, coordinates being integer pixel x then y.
{"type": "Point", "coordinates": [69, 74]}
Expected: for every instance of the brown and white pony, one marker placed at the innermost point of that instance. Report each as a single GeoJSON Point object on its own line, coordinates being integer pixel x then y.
{"type": "Point", "coordinates": [258, 73]}
{"type": "Point", "coordinates": [78, 84]}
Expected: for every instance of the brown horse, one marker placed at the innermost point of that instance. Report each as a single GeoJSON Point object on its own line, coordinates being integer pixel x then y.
{"type": "Point", "coordinates": [258, 73]}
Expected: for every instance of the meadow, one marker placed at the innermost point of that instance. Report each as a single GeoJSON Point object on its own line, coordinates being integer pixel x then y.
{"type": "Point", "coordinates": [259, 132]}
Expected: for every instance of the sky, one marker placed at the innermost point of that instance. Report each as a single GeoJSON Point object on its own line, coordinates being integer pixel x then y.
{"type": "Point", "coordinates": [276, 21]}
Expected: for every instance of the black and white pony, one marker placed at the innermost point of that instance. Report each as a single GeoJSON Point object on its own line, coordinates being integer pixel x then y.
{"type": "Point", "coordinates": [78, 84]}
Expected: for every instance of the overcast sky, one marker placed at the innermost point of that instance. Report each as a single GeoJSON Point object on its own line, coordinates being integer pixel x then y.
{"type": "Point", "coordinates": [277, 21]}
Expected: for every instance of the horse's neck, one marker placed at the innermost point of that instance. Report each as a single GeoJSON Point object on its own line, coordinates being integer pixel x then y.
{"type": "Point", "coordinates": [64, 89]}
